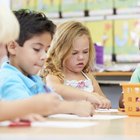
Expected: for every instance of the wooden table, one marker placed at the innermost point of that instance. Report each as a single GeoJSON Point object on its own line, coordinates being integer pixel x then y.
{"type": "Point", "coordinates": [117, 129]}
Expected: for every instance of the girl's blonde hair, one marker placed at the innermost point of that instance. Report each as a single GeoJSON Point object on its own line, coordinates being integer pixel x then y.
{"type": "Point", "coordinates": [61, 46]}
{"type": "Point", "coordinates": [9, 26]}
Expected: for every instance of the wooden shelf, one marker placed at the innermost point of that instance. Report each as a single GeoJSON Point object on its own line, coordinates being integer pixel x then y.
{"type": "Point", "coordinates": [113, 73]}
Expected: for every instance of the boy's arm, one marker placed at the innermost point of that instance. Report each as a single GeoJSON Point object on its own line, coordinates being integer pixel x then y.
{"type": "Point", "coordinates": [44, 104]}
{"type": "Point", "coordinates": [80, 108]}
{"type": "Point", "coordinates": [13, 109]}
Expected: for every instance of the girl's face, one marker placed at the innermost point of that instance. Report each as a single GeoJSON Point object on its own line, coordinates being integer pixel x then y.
{"type": "Point", "coordinates": [78, 56]}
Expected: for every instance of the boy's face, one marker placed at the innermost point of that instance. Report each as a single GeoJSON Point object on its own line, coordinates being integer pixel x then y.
{"type": "Point", "coordinates": [78, 56]}
{"type": "Point", "coordinates": [30, 58]}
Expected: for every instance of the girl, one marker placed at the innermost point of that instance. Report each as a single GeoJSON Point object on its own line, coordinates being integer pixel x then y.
{"type": "Point", "coordinates": [68, 66]}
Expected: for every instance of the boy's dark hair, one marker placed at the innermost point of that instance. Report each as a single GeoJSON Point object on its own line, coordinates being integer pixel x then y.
{"type": "Point", "coordinates": [32, 23]}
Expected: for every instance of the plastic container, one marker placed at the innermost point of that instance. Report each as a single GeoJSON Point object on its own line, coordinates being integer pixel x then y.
{"type": "Point", "coordinates": [99, 54]}
{"type": "Point", "coordinates": [131, 95]}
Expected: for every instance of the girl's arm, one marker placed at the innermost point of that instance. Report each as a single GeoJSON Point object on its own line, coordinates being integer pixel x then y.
{"type": "Point", "coordinates": [106, 103]}
{"type": "Point", "coordinates": [68, 92]}
{"type": "Point", "coordinates": [96, 86]}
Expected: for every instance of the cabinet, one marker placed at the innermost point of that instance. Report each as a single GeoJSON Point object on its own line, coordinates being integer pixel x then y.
{"type": "Point", "coordinates": [110, 84]}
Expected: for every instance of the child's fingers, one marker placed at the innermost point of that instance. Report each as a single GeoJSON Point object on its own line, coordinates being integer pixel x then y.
{"type": "Point", "coordinates": [92, 111]}
{"type": "Point", "coordinates": [33, 117]}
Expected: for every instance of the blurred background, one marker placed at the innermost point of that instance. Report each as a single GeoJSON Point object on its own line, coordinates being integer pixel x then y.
{"type": "Point", "coordinates": [114, 24]}
{"type": "Point", "coordinates": [115, 30]}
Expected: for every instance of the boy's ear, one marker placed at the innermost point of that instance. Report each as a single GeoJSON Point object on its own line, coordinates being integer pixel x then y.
{"type": "Point", "coordinates": [11, 47]}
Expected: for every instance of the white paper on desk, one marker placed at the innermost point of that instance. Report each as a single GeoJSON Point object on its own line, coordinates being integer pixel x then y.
{"type": "Point", "coordinates": [95, 117]}
{"type": "Point", "coordinates": [63, 124]}
{"type": "Point", "coordinates": [60, 124]}
{"type": "Point", "coordinates": [106, 110]}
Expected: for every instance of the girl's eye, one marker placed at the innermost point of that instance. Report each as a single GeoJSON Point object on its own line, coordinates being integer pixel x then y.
{"type": "Point", "coordinates": [74, 53]}
{"type": "Point", "coordinates": [37, 50]}
{"type": "Point", "coordinates": [86, 52]}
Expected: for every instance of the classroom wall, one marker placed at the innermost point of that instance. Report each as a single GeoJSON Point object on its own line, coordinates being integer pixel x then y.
{"type": "Point", "coordinates": [117, 35]}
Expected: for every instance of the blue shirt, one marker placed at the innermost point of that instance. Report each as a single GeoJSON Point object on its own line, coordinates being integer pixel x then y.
{"type": "Point", "coordinates": [135, 78]}
{"type": "Point", "coordinates": [15, 85]}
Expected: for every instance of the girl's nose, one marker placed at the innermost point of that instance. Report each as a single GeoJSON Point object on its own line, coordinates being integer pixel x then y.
{"type": "Point", "coordinates": [80, 56]}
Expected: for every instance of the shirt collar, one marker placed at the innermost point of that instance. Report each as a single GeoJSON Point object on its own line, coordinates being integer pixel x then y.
{"type": "Point", "coordinates": [29, 81]}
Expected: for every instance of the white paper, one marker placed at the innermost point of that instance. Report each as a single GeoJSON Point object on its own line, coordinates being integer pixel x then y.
{"type": "Point", "coordinates": [95, 117]}
{"type": "Point", "coordinates": [60, 124]}
{"type": "Point", "coordinates": [63, 124]}
{"type": "Point", "coordinates": [5, 123]}
{"type": "Point", "coordinates": [106, 110]}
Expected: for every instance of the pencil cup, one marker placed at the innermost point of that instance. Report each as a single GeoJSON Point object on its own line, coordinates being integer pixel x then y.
{"type": "Point", "coordinates": [99, 50]}
{"type": "Point", "coordinates": [131, 95]}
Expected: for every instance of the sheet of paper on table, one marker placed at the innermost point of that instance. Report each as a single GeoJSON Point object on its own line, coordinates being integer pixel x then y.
{"type": "Point", "coordinates": [60, 124]}
{"type": "Point", "coordinates": [94, 117]}
{"type": "Point", "coordinates": [106, 110]}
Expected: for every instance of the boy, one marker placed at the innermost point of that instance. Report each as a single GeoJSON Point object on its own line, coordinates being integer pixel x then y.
{"type": "Point", "coordinates": [18, 79]}
{"type": "Point", "coordinates": [27, 108]}
{"type": "Point", "coordinates": [26, 56]}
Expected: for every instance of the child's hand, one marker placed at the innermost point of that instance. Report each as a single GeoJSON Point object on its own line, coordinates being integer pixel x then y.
{"type": "Point", "coordinates": [84, 108]}
{"type": "Point", "coordinates": [31, 117]}
{"type": "Point", "coordinates": [99, 101]}
{"type": "Point", "coordinates": [45, 104]}
{"type": "Point", "coordinates": [94, 99]}
{"type": "Point", "coordinates": [121, 101]}
{"type": "Point", "coordinates": [138, 100]}
{"type": "Point", "coordinates": [105, 103]}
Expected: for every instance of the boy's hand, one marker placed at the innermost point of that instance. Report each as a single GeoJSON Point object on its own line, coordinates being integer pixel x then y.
{"type": "Point", "coordinates": [45, 103]}
{"type": "Point", "coordinates": [32, 118]}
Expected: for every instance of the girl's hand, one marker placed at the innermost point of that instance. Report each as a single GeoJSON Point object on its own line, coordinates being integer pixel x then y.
{"type": "Point", "coordinates": [99, 101]}
{"type": "Point", "coordinates": [94, 99]}
{"type": "Point", "coordinates": [106, 104]}
{"type": "Point", "coordinates": [83, 108]}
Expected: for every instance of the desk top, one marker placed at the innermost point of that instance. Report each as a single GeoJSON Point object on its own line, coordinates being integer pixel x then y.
{"type": "Point", "coordinates": [123, 128]}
